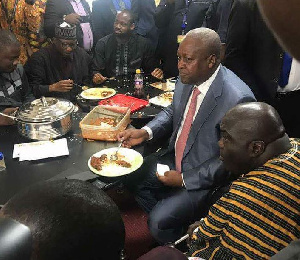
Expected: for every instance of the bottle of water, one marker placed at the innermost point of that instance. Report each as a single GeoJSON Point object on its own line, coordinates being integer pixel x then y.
{"type": "Point", "coordinates": [138, 80]}
{"type": "Point", "coordinates": [2, 162]}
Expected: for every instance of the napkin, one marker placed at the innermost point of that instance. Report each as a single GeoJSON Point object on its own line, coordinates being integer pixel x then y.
{"type": "Point", "coordinates": [41, 150]}
{"type": "Point", "coordinates": [162, 168]}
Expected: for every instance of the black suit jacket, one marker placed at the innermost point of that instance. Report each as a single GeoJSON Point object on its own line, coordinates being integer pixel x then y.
{"type": "Point", "coordinates": [252, 51]}
{"type": "Point", "coordinates": [55, 10]}
{"type": "Point", "coordinates": [168, 19]}
{"type": "Point", "coordinates": [103, 17]}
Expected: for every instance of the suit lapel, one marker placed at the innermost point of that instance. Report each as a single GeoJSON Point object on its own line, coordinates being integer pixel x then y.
{"type": "Point", "coordinates": [207, 107]}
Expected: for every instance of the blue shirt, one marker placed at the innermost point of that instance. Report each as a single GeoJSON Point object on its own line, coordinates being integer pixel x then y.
{"type": "Point", "coordinates": [118, 7]}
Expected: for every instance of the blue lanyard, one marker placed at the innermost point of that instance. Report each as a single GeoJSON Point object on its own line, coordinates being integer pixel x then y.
{"type": "Point", "coordinates": [184, 21]}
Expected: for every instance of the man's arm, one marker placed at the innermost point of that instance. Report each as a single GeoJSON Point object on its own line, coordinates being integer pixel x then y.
{"type": "Point", "coordinates": [97, 20]}
{"type": "Point", "coordinates": [164, 12]}
{"type": "Point", "coordinates": [52, 17]}
{"type": "Point", "coordinates": [27, 93]}
{"type": "Point", "coordinates": [162, 124]}
{"type": "Point", "coordinates": [99, 63]}
{"type": "Point", "coordinates": [35, 70]}
{"type": "Point", "coordinates": [149, 62]}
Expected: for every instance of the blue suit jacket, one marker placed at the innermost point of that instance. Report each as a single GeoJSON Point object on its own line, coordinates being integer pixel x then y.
{"type": "Point", "coordinates": [201, 167]}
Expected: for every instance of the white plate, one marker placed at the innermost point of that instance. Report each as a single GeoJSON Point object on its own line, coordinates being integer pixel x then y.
{"type": "Point", "coordinates": [130, 155]}
{"type": "Point", "coordinates": [160, 100]}
{"type": "Point", "coordinates": [96, 93]}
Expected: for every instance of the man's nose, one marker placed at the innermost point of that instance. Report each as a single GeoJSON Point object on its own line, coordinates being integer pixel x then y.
{"type": "Point", "coordinates": [69, 49]}
{"type": "Point", "coordinates": [180, 64]}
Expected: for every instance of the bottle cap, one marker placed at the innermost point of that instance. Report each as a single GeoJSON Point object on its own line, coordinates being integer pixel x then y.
{"type": "Point", "coordinates": [1, 156]}
{"type": "Point", "coordinates": [138, 71]}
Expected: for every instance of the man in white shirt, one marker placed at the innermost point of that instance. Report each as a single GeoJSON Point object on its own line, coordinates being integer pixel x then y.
{"type": "Point", "coordinates": [204, 92]}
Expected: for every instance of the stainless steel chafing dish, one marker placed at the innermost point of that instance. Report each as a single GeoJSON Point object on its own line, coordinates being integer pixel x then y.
{"type": "Point", "coordinates": [44, 118]}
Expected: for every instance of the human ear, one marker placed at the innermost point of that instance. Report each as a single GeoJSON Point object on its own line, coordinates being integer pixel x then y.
{"type": "Point", "coordinates": [256, 148]}
{"type": "Point", "coordinates": [211, 61]}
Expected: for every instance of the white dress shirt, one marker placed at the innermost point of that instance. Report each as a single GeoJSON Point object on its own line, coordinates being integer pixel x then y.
{"type": "Point", "coordinates": [204, 87]}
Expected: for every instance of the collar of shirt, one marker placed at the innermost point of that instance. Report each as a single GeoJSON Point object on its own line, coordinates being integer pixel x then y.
{"type": "Point", "coordinates": [206, 84]}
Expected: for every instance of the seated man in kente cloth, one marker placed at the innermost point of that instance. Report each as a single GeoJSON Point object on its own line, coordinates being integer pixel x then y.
{"type": "Point", "coordinates": [259, 215]}
{"type": "Point", "coordinates": [52, 70]}
{"type": "Point", "coordinates": [14, 87]}
{"type": "Point", "coordinates": [122, 52]}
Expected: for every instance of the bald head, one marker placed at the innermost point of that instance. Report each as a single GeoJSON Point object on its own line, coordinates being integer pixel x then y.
{"type": "Point", "coordinates": [210, 40]}
{"type": "Point", "coordinates": [7, 38]}
{"type": "Point", "coordinates": [256, 120]}
{"type": "Point", "coordinates": [128, 14]}
{"type": "Point", "coordinates": [251, 134]}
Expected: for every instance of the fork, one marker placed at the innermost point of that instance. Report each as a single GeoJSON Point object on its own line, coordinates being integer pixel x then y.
{"type": "Point", "coordinates": [114, 156]}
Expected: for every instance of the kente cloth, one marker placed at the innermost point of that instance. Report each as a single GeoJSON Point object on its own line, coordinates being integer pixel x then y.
{"type": "Point", "coordinates": [112, 58]}
{"type": "Point", "coordinates": [14, 89]}
{"type": "Point", "coordinates": [25, 22]}
{"type": "Point", "coordinates": [181, 142]}
{"type": "Point", "coordinates": [47, 67]}
{"type": "Point", "coordinates": [259, 215]}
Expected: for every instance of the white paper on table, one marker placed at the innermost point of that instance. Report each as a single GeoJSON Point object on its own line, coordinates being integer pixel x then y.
{"type": "Point", "coordinates": [162, 168]}
{"type": "Point", "coordinates": [41, 150]}
{"type": "Point", "coordinates": [17, 148]}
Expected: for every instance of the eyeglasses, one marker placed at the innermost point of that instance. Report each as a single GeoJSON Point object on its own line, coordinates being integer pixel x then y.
{"type": "Point", "coordinates": [65, 45]}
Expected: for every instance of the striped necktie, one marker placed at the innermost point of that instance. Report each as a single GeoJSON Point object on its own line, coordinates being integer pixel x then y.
{"type": "Point", "coordinates": [181, 142]}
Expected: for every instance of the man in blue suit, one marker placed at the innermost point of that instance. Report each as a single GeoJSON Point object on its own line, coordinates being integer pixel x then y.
{"type": "Point", "coordinates": [184, 193]}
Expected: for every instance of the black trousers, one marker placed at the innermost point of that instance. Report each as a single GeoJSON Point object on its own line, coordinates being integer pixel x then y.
{"type": "Point", "coordinates": [171, 210]}
{"type": "Point", "coordinates": [287, 106]}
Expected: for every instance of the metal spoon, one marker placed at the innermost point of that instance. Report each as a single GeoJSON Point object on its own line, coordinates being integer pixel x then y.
{"type": "Point", "coordinates": [114, 156]}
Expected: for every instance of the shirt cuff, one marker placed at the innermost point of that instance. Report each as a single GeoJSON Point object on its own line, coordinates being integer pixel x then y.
{"type": "Point", "coordinates": [183, 183]}
{"type": "Point", "coordinates": [149, 131]}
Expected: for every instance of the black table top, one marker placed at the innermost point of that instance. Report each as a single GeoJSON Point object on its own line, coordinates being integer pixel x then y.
{"type": "Point", "coordinates": [125, 85]}
{"type": "Point", "coordinates": [19, 175]}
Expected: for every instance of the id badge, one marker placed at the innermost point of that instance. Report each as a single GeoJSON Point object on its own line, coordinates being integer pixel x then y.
{"type": "Point", "coordinates": [180, 38]}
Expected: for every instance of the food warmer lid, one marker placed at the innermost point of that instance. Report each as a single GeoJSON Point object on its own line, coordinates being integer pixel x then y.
{"type": "Point", "coordinates": [45, 109]}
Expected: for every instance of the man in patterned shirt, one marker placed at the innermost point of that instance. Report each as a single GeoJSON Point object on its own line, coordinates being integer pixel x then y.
{"type": "Point", "coordinates": [260, 214]}
{"type": "Point", "coordinates": [14, 87]}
